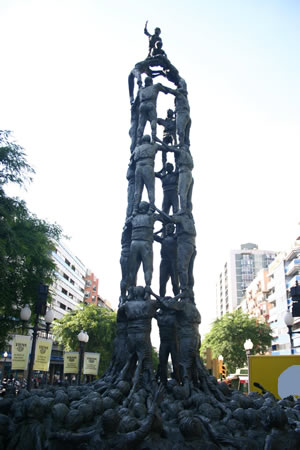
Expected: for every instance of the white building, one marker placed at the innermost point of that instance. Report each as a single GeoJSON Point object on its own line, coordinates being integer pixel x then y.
{"type": "Point", "coordinates": [238, 272]}
{"type": "Point", "coordinates": [283, 274]}
{"type": "Point", "coordinates": [68, 290]}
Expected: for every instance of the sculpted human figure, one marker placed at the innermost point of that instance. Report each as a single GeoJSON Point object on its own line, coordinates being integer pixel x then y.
{"type": "Point", "coordinates": [124, 259]}
{"type": "Point", "coordinates": [169, 133]}
{"type": "Point", "coordinates": [169, 124]}
{"type": "Point", "coordinates": [153, 38]}
{"type": "Point", "coordinates": [130, 175]}
{"type": "Point", "coordinates": [140, 68]}
{"type": "Point", "coordinates": [188, 320]}
{"type": "Point", "coordinates": [167, 324]}
{"type": "Point", "coordinates": [168, 264]}
{"type": "Point", "coordinates": [120, 352]}
{"type": "Point", "coordinates": [147, 109]}
{"type": "Point", "coordinates": [134, 120]}
{"type": "Point", "coordinates": [108, 436]}
{"type": "Point", "coordinates": [182, 110]}
{"type": "Point", "coordinates": [185, 166]}
{"type": "Point", "coordinates": [144, 158]}
{"type": "Point", "coordinates": [186, 249]}
{"type": "Point", "coordinates": [157, 50]}
{"type": "Point", "coordinates": [141, 245]}
{"type": "Point", "coordinates": [169, 179]}
{"type": "Point", "coordinates": [139, 313]}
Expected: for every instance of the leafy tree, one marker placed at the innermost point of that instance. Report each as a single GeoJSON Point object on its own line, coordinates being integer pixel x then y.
{"type": "Point", "coordinates": [100, 325]}
{"type": "Point", "coordinates": [26, 242]}
{"type": "Point", "coordinates": [13, 165]}
{"type": "Point", "coordinates": [228, 335]}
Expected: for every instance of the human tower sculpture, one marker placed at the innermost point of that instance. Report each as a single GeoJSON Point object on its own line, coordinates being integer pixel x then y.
{"type": "Point", "coordinates": [178, 317]}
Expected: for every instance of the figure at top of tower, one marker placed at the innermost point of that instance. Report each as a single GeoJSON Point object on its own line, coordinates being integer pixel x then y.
{"type": "Point", "coordinates": [153, 38]}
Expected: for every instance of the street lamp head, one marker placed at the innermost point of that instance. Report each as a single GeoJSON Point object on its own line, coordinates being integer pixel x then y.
{"type": "Point", "coordinates": [5, 355]}
{"type": "Point", "coordinates": [25, 313]}
{"type": "Point", "coordinates": [288, 319]}
{"type": "Point", "coordinates": [86, 337]}
{"type": "Point", "coordinates": [49, 316]}
{"type": "Point", "coordinates": [220, 358]}
{"type": "Point", "coordinates": [81, 336]}
{"type": "Point", "coordinates": [248, 344]}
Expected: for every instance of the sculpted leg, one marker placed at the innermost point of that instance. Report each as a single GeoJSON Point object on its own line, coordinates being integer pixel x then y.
{"type": "Point", "coordinates": [147, 258]}
{"type": "Point", "coordinates": [163, 277]}
{"type": "Point", "coordinates": [184, 183]}
{"type": "Point", "coordinates": [138, 189]}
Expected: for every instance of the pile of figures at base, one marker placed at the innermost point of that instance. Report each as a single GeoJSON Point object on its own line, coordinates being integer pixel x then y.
{"type": "Point", "coordinates": [178, 318]}
{"type": "Point", "coordinates": [99, 416]}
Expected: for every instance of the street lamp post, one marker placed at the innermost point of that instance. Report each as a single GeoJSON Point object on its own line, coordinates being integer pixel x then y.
{"type": "Point", "coordinates": [248, 346]}
{"type": "Point", "coordinates": [83, 338]}
{"type": "Point", "coordinates": [289, 321]}
{"type": "Point", "coordinates": [5, 355]}
{"type": "Point", "coordinates": [25, 314]}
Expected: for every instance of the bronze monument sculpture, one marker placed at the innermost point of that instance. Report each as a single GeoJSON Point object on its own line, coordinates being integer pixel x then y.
{"type": "Point", "coordinates": [131, 406]}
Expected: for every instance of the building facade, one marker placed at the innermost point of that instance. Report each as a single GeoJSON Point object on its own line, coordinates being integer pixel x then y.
{"type": "Point", "coordinates": [69, 288]}
{"type": "Point", "coordinates": [238, 272]}
{"type": "Point", "coordinates": [91, 288]}
{"type": "Point", "coordinates": [283, 274]}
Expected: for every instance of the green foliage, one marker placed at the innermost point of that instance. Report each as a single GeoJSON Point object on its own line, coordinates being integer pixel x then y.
{"type": "Point", "coordinates": [100, 325]}
{"type": "Point", "coordinates": [13, 165]}
{"type": "Point", "coordinates": [228, 335]}
{"type": "Point", "coordinates": [25, 242]}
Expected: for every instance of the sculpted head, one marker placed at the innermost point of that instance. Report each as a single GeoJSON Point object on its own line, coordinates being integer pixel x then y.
{"type": "Point", "coordinates": [148, 81]}
{"type": "Point", "coordinates": [170, 227]}
{"type": "Point", "coordinates": [110, 420]}
{"type": "Point", "coordinates": [146, 139]}
{"type": "Point", "coordinates": [143, 207]}
{"type": "Point", "coordinates": [157, 31]}
{"type": "Point", "coordinates": [169, 167]}
{"type": "Point", "coordinates": [170, 113]}
{"type": "Point", "coordinates": [139, 293]}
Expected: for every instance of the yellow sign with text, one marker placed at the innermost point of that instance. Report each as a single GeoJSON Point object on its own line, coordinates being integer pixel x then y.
{"type": "Point", "coordinates": [42, 354]}
{"type": "Point", "coordinates": [71, 362]}
{"type": "Point", "coordinates": [279, 374]}
{"type": "Point", "coordinates": [91, 363]}
{"type": "Point", "coordinates": [20, 352]}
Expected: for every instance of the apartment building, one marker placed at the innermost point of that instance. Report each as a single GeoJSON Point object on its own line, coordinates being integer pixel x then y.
{"type": "Point", "coordinates": [69, 287]}
{"type": "Point", "coordinates": [239, 270]}
{"type": "Point", "coordinates": [283, 274]}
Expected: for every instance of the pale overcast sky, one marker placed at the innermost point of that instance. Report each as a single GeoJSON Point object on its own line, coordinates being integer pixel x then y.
{"type": "Point", "coordinates": [64, 95]}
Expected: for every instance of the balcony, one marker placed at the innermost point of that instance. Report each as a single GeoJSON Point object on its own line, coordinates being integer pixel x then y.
{"type": "Point", "coordinates": [271, 298]}
{"type": "Point", "coordinates": [292, 282]}
{"type": "Point", "coordinates": [293, 268]}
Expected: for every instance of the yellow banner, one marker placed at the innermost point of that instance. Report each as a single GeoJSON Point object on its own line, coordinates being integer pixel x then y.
{"type": "Point", "coordinates": [279, 374]}
{"type": "Point", "coordinates": [20, 352]}
{"type": "Point", "coordinates": [91, 363]}
{"type": "Point", "coordinates": [42, 354]}
{"type": "Point", "coordinates": [71, 362]}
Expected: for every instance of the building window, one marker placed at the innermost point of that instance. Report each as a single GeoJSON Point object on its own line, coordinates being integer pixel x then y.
{"type": "Point", "coordinates": [64, 291]}
{"type": "Point", "coordinates": [67, 262]}
{"type": "Point", "coordinates": [73, 267]}
{"type": "Point", "coordinates": [93, 298]}
{"type": "Point", "coordinates": [66, 276]}
{"type": "Point", "coordinates": [87, 294]}
{"type": "Point", "coordinates": [62, 306]}
{"type": "Point", "coordinates": [94, 288]}
{"type": "Point", "coordinates": [71, 295]}
{"type": "Point", "coordinates": [88, 283]}
{"type": "Point", "coordinates": [72, 281]}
